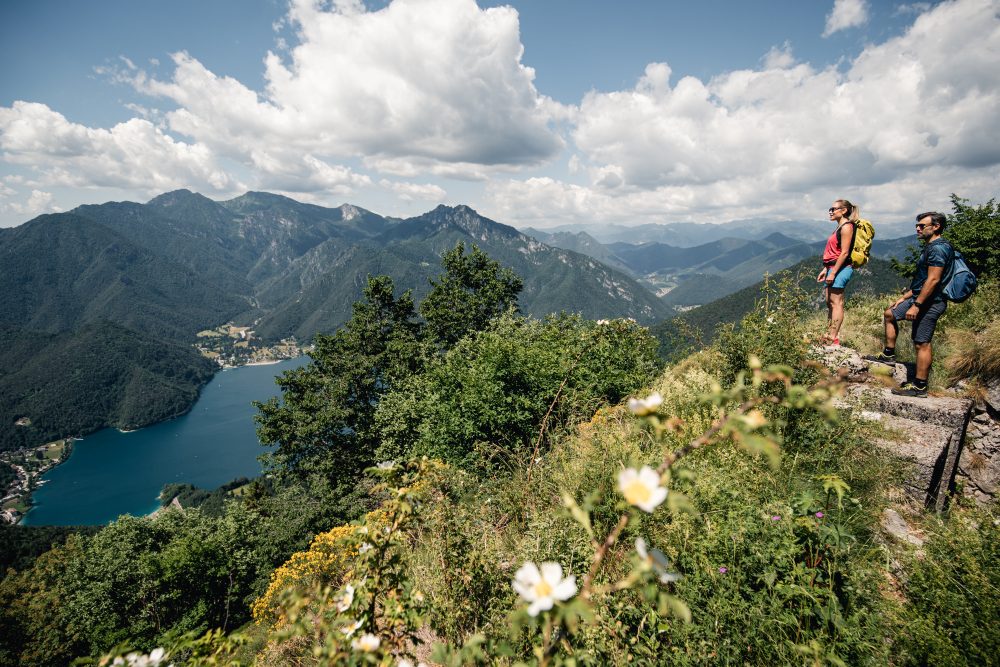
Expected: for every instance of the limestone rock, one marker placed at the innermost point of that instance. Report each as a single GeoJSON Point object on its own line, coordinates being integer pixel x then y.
{"type": "Point", "coordinates": [896, 526]}
{"type": "Point", "coordinates": [928, 432]}
{"type": "Point", "coordinates": [992, 397]}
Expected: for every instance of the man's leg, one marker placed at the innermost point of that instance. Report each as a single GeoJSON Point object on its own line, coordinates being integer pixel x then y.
{"type": "Point", "coordinates": [924, 358]}
{"type": "Point", "coordinates": [923, 332]}
{"type": "Point", "coordinates": [891, 329]}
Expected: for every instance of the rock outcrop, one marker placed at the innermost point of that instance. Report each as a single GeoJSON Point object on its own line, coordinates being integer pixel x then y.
{"type": "Point", "coordinates": [953, 442]}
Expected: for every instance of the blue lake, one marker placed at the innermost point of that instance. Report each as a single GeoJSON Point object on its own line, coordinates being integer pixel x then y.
{"type": "Point", "coordinates": [112, 473]}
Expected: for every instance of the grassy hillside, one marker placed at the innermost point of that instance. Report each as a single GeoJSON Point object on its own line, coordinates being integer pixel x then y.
{"type": "Point", "coordinates": [700, 325]}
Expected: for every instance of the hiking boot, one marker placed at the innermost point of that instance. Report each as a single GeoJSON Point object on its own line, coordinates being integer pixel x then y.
{"type": "Point", "coordinates": [911, 390]}
{"type": "Point", "coordinates": [881, 358]}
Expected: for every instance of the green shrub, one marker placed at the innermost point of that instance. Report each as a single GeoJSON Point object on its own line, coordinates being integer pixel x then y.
{"type": "Point", "coordinates": [773, 332]}
{"type": "Point", "coordinates": [953, 594]}
{"type": "Point", "coordinates": [493, 401]}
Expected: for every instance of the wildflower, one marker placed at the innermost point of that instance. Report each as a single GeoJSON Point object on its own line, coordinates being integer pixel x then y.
{"type": "Point", "coordinates": [543, 588]}
{"type": "Point", "coordinates": [386, 465]}
{"type": "Point", "coordinates": [603, 322]}
{"type": "Point", "coordinates": [366, 642]}
{"type": "Point", "coordinates": [349, 630]}
{"type": "Point", "coordinates": [819, 515]}
{"type": "Point", "coordinates": [776, 517]}
{"type": "Point", "coordinates": [365, 548]}
{"type": "Point", "coordinates": [346, 599]}
{"type": "Point", "coordinates": [642, 488]}
{"type": "Point", "coordinates": [723, 569]}
{"type": "Point", "coordinates": [658, 560]}
{"type": "Point", "coordinates": [645, 406]}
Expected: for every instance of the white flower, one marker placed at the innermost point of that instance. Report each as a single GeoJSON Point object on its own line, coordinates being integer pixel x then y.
{"type": "Point", "coordinates": [543, 588]}
{"type": "Point", "coordinates": [349, 630]}
{"type": "Point", "coordinates": [603, 322]}
{"type": "Point", "coordinates": [365, 548]}
{"type": "Point", "coordinates": [366, 642]}
{"type": "Point", "coordinates": [658, 560]}
{"type": "Point", "coordinates": [386, 465]}
{"type": "Point", "coordinates": [346, 599]}
{"type": "Point", "coordinates": [645, 406]}
{"type": "Point", "coordinates": [642, 488]}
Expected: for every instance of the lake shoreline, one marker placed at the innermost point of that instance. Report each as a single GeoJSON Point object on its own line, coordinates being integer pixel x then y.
{"type": "Point", "coordinates": [213, 442]}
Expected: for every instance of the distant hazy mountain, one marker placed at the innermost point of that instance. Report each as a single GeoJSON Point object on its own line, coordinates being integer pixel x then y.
{"type": "Point", "coordinates": [689, 234]}
{"type": "Point", "coordinates": [688, 276]}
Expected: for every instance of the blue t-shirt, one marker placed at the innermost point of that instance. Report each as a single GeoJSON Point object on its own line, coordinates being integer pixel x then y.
{"type": "Point", "coordinates": [936, 253]}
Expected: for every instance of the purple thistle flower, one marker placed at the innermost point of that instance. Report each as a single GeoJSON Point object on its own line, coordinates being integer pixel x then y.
{"type": "Point", "coordinates": [776, 517]}
{"type": "Point", "coordinates": [819, 515]}
{"type": "Point", "coordinates": [723, 570]}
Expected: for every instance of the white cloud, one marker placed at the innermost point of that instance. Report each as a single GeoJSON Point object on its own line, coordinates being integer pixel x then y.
{"type": "Point", "coordinates": [38, 202]}
{"type": "Point", "coordinates": [415, 191]}
{"type": "Point", "coordinates": [134, 154]}
{"type": "Point", "coordinates": [846, 14]}
{"type": "Point", "coordinates": [922, 107]}
{"type": "Point", "coordinates": [422, 81]}
{"type": "Point", "coordinates": [779, 57]}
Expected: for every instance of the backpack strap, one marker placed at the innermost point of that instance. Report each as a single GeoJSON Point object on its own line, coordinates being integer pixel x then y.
{"type": "Point", "coordinates": [854, 235]}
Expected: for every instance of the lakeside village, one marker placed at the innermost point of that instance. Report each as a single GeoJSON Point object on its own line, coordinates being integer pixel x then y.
{"type": "Point", "coordinates": [229, 346]}
{"type": "Point", "coordinates": [29, 465]}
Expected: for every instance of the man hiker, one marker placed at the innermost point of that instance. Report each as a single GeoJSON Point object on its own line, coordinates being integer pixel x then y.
{"type": "Point", "coordinates": [923, 303]}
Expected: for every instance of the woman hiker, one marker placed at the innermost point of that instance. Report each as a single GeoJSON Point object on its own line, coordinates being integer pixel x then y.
{"type": "Point", "coordinates": [837, 269]}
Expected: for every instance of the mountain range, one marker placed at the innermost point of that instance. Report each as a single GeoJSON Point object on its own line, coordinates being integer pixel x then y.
{"type": "Point", "coordinates": [689, 276]}
{"type": "Point", "coordinates": [140, 280]}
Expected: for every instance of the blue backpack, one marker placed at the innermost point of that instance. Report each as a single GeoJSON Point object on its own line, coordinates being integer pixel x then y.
{"type": "Point", "coordinates": [963, 281]}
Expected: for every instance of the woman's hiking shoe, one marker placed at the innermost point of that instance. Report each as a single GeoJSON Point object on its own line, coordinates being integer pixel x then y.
{"type": "Point", "coordinates": [881, 358]}
{"type": "Point", "coordinates": [910, 389]}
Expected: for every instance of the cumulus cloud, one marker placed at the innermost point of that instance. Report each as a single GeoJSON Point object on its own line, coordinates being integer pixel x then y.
{"type": "Point", "coordinates": [922, 105]}
{"type": "Point", "coordinates": [436, 81]}
{"type": "Point", "coordinates": [846, 14]}
{"type": "Point", "coordinates": [779, 57]}
{"type": "Point", "coordinates": [38, 202]}
{"type": "Point", "coordinates": [414, 191]}
{"type": "Point", "coordinates": [134, 154]}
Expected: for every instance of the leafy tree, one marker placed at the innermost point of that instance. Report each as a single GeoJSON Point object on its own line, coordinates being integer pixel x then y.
{"type": "Point", "coordinates": [322, 422]}
{"type": "Point", "coordinates": [491, 400]}
{"type": "Point", "coordinates": [473, 290]}
{"type": "Point", "coordinates": [972, 230]}
{"type": "Point", "coordinates": [36, 631]}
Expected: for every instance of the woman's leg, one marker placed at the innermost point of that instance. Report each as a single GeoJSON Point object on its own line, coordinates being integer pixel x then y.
{"type": "Point", "coordinates": [835, 304]}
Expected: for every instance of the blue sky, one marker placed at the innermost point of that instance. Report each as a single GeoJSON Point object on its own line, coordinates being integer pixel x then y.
{"type": "Point", "coordinates": [535, 113]}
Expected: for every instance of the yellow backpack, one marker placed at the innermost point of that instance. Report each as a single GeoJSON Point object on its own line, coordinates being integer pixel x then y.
{"type": "Point", "coordinates": [861, 245]}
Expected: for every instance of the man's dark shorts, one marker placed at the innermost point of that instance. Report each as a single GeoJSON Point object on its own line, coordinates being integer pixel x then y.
{"type": "Point", "coordinates": [923, 326]}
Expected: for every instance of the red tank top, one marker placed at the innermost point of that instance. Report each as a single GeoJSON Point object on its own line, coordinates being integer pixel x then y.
{"type": "Point", "coordinates": [833, 249]}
